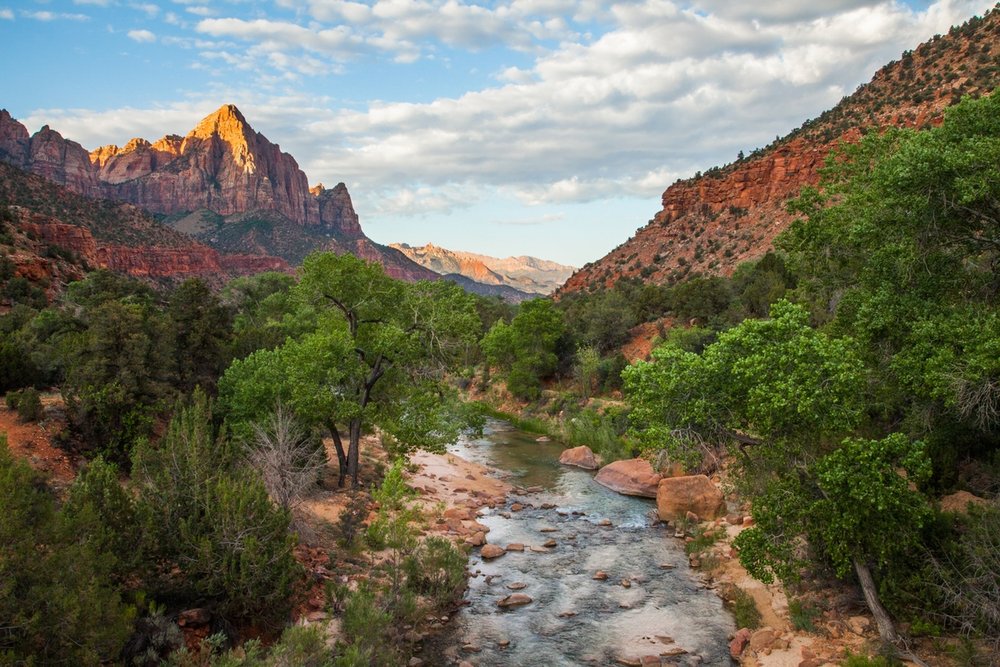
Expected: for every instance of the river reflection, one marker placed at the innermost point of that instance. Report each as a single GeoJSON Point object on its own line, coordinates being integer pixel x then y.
{"type": "Point", "coordinates": [650, 604]}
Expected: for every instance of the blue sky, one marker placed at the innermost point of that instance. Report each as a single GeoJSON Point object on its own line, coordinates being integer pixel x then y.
{"type": "Point", "coordinates": [506, 127]}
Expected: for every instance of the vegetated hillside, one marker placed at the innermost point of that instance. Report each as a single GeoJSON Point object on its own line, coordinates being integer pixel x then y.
{"type": "Point", "coordinates": [223, 183]}
{"type": "Point", "coordinates": [526, 274]}
{"type": "Point", "coordinates": [711, 223]}
{"type": "Point", "coordinates": [53, 235]}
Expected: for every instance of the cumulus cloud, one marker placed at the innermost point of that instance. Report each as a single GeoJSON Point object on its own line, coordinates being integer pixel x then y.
{"type": "Point", "coordinates": [6, 14]}
{"type": "Point", "coordinates": [614, 100]}
{"type": "Point", "coordinates": [141, 36]}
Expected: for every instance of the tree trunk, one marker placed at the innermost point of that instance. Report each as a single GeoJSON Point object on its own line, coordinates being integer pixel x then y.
{"type": "Point", "coordinates": [341, 456]}
{"type": "Point", "coordinates": [886, 628]}
{"type": "Point", "coordinates": [353, 448]}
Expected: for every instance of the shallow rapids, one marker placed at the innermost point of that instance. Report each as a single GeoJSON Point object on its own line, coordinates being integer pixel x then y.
{"type": "Point", "coordinates": [650, 604]}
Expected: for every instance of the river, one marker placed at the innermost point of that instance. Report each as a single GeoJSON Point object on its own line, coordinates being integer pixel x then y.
{"type": "Point", "coordinates": [650, 604]}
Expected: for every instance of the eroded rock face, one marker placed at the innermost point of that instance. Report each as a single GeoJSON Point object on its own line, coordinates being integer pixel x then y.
{"type": "Point", "coordinates": [581, 457]}
{"type": "Point", "coordinates": [711, 223]}
{"type": "Point", "coordinates": [222, 166]}
{"type": "Point", "coordinates": [632, 477]}
{"type": "Point", "coordinates": [677, 496]}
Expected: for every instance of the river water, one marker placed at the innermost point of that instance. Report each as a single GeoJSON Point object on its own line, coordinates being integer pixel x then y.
{"type": "Point", "coordinates": [651, 603]}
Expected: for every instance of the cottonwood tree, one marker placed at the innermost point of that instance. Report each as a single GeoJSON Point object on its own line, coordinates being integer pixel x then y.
{"type": "Point", "coordinates": [787, 399]}
{"type": "Point", "coordinates": [376, 355]}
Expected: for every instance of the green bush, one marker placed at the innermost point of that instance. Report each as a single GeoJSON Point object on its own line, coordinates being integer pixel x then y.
{"type": "Point", "coordinates": [56, 605]}
{"type": "Point", "coordinates": [742, 606]}
{"type": "Point", "coordinates": [802, 615]}
{"type": "Point", "coordinates": [366, 627]}
{"type": "Point", "coordinates": [29, 405]}
{"type": "Point", "coordinates": [437, 568]}
{"type": "Point", "coordinates": [214, 536]}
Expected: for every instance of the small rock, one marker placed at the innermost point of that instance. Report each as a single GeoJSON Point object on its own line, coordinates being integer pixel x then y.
{"type": "Point", "coordinates": [539, 550]}
{"type": "Point", "coordinates": [534, 489]}
{"type": "Point", "coordinates": [516, 507]}
{"type": "Point", "coordinates": [858, 624]}
{"type": "Point", "coordinates": [600, 575]}
{"type": "Point", "coordinates": [503, 643]}
{"type": "Point", "coordinates": [491, 551]}
{"type": "Point", "coordinates": [478, 539]}
{"type": "Point", "coordinates": [667, 566]}
{"type": "Point", "coordinates": [515, 546]}
{"type": "Point", "coordinates": [515, 600]}
{"type": "Point", "coordinates": [194, 617]}
{"type": "Point", "coordinates": [547, 529]}
{"type": "Point", "coordinates": [415, 662]}
{"type": "Point", "coordinates": [626, 583]}
{"type": "Point", "coordinates": [604, 522]}
{"type": "Point", "coordinates": [566, 614]}
{"type": "Point", "coordinates": [471, 648]}
{"type": "Point", "coordinates": [465, 663]}
{"type": "Point", "coordinates": [691, 517]}
{"type": "Point", "coordinates": [413, 636]}
{"type": "Point", "coordinates": [547, 506]}
{"type": "Point", "coordinates": [763, 639]}
{"type": "Point", "coordinates": [549, 544]}
{"type": "Point", "coordinates": [629, 661]}
{"type": "Point", "coordinates": [517, 585]}
{"type": "Point", "coordinates": [739, 643]}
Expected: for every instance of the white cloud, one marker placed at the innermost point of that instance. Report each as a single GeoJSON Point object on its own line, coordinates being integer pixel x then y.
{"type": "Point", "coordinates": [141, 36]}
{"type": "Point", "coordinates": [659, 91]}
{"type": "Point", "coordinates": [200, 11]}
{"type": "Point", "coordinates": [6, 14]}
{"type": "Point", "coordinates": [148, 8]}
{"type": "Point", "coordinates": [54, 16]}
{"type": "Point", "coordinates": [98, 3]}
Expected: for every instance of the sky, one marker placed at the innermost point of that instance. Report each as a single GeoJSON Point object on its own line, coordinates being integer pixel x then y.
{"type": "Point", "coordinates": [507, 127]}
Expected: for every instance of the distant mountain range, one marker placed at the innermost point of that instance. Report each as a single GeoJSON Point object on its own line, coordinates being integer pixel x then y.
{"type": "Point", "coordinates": [711, 223]}
{"type": "Point", "coordinates": [527, 274]}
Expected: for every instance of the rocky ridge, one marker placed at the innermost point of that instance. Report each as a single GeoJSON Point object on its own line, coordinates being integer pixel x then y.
{"type": "Point", "coordinates": [57, 236]}
{"type": "Point", "coordinates": [223, 184]}
{"type": "Point", "coordinates": [711, 223]}
{"type": "Point", "coordinates": [527, 274]}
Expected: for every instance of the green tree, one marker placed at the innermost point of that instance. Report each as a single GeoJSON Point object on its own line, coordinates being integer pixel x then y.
{"type": "Point", "coordinates": [200, 327]}
{"type": "Point", "coordinates": [787, 398]}
{"type": "Point", "coordinates": [525, 349]}
{"type": "Point", "coordinates": [377, 355]}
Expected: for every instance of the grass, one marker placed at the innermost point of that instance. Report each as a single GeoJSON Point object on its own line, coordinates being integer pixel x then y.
{"type": "Point", "coordinates": [742, 606]}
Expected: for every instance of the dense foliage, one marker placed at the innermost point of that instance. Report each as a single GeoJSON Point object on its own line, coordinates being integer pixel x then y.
{"type": "Point", "coordinates": [845, 410]}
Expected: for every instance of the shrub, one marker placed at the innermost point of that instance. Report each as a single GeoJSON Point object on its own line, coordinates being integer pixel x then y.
{"type": "Point", "coordinates": [742, 606]}
{"type": "Point", "coordinates": [802, 615]}
{"type": "Point", "coordinates": [55, 603]}
{"type": "Point", "coordinates": [29, 405]}
{"type": "Point", "coordinates": [214, 535]}
{"type": "Point", "coordinates": [437, 568]}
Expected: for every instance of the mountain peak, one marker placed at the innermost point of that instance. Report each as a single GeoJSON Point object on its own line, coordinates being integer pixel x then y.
{"type": "Point", "coordinates": [226, 121]}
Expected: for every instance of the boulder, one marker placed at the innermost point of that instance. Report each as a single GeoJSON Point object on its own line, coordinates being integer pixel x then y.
{"type": "Point", "coordinates": [581, 457]}
{"type": "Point", "coordinates": [631, 477]}
{"type": "Point", "coordinates": [678, 496]}
{"type": "Point", "coordinates": [491, 551]}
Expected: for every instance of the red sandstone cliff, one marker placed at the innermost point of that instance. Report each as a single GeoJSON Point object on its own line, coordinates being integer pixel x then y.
{"type": "Point", "coordinates": [712, 222]}
{"type": "Point", "coordinates": [223, 167]}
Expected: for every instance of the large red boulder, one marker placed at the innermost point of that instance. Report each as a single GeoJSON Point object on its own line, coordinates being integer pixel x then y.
{"type": "Point", "coordinates": [632, 477]}
{"type": "Point", "coordinates": [676, 496]}
{"type": "Point", "coordinates": [581, 457]}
